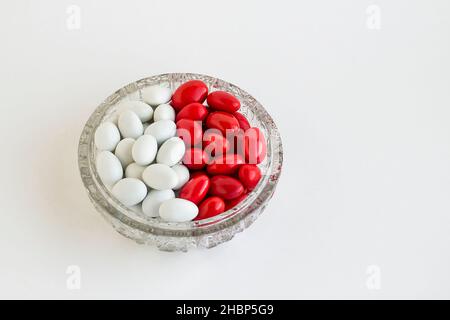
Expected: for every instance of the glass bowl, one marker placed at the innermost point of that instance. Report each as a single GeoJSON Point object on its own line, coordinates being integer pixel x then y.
{"type": "Point", "coordinates": [169, 236]}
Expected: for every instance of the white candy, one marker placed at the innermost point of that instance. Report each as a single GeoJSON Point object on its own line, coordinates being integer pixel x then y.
{"type": "Point", "coordinates": [130, 125]}
{"type": "Point", "coordinates": [171, 152]}
{"type": "Point", "coordinates": [144, 150]}
{"type": "Point", "coordinates": [160, 176]}
{"type": "Point", "coordinates": [178, 210]}
{"type": "Point", "coordinates": [183, 175]}
{"type": "Point", "coordinates": [134, 170]}
{"type": "Point", "coordinates": [162, 130]}
{"type": "Point", "coordinates": [129, 191]}
{"type": "Point", "coordinates": [141, 109]}
{"type": "Point", "coordinates": [156, 95]}
{"type": "Point", "coordinates": [164, 112]}
{"type": "Point", "coordinates": [151, 204]}
{"type": "Point", "coordinates": [123, 151]}
{"type": "Point", "coordinates": [109, 168]}
{"type": "Point", "coordinates": [107, 136]}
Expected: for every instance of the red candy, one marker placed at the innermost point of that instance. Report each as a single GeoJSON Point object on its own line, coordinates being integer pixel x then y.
{"type": "Point", "coordinates": [222, 121]}
{"type": "Point", "coordinates": [227, 164]}
{"type": "Point", "coordinates": [233, 202]}
{"type": "Point", "coordinates": [243, 122]}
{"type": "Point", "coordinates": [188, 92]}
{"type": "Point", "coordinates": [223, 101]}
{"type": "Point", "coordinates": [214, 143]}
{"type": "Point", "coordinates": [195, 189]}
{"type": "Point", "coordinates": [249, 175]}
{"type": "Point", "coordinates": [255, 146]}
{"type": "Point", "coordinates": [222, 160]}
{"type": "Point", "coordinates": [190, 131]}
{"type": "Point", "coordinates": [226, 187]}
{"type": "Point", "coordinates": [210, 207]}
{"type": "Point", "coordinates": [193, 111]}
{"type": "Point", "coordinates": [195, 159]}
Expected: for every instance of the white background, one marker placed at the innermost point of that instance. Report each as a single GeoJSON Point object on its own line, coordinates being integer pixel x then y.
{"type": "Point", "coordinates": [364, 116]}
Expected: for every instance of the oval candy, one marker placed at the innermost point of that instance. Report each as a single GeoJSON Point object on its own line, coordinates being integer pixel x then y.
{"type": "Point", "coordinates": [164, 112]}
{"type": "Point", "coordinates": [223, 101]}
{"type": "Point", "coordinates": [178, 210]}
{"type": "Point", "coordinates": [195, 189]}
{"type": "Point", "coordinates": [171, 151]}
{"type": "Point", "coordinates": [193, 111]}
{"type": "Point", "coordinates": [144, 150]}
{"type": "Point", "coordinates": [162, 130]}
{"type": "Point", "coordinates": [225, 187]}
{"type": "Point", "coordinates": [130, 125]}
{"type": "Point", "coordinates": [107, 136]}
{"type": "Point", "coordinates": [160, 176]}
{"type": "Point", "coordinates": [156, 95]}
{"type": "Point", "coordinates": [188, 92]}
{"type": "Point", "coordinates": [249, 175]}
{"type": "Point", "coordinates": [123, 151]}
{"type": "Point", "coordinates": [222, 121]}
{"type": "Point", "coordinates": [129, 191]}
{"type": "Point", "coordinates": [109, 168]}
{"type": "Point", "coordinates": [210, 207]}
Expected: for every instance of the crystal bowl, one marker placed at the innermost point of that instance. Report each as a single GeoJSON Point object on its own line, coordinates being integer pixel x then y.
{"type": "Point", "coordinates": [169, 236]}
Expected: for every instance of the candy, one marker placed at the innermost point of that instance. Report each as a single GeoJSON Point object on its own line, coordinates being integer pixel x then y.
{"type": "Point", "coordinates": [123, 151]}
{"type": "Point", "coordinates": [210, 207]}
{"type": "Point", "coordinates": [109, 168]}
{"type": "Point", "coordinates": [183, 175]}
{"type": "Point", "coordinates": [156, 95]}
{"type": "Point", "coordinates": [223, 101]}
{"type": "Point", "coordinates": [249, 175]}
{"type": "Point", "coordinates": [225, 187]}
{"type": "Point", "coordinates": [225, 165]}
{"type": "Point", "coordinates": [171, 152]}
{"type": "Point", "coordinates": [214, 143]}
{"type": "Point", "coordinates": [219, 164]}
{"type": "Point", "coordinates": [160, 176]}
{"type": "Point", "coordinates": [129, 191]}
{"type": "Point", "coordinates": [195, 159]}
{"type": "Point", "coordinates": [106, 136]}
{"type": "Point", "coordinates": [144, 150]}
{"type": "Point", "coordinates": [162, 130]}
{"type": "Point", "coordinates": [154, 199]}
{"type": "Point", "coordinates": [255, 146]}
{"type": "Point", "coordinates": [188, 92]}
{"type": "Point", "coordinates": [130, 125]}
{"type": "Point", "coordinates": [190, 131]}
{"type": "Point", "coordinates": [164, 112]}
{"type": "Point", "coordinates": [193, 111]}
{"type": "Point", "coordinates": [222, 121]}
{"type": "Point", "coordinates": [243, 122]}
{"type": "Point", "coordinates": [195, 189]}
{"type": "Point", "coordinates": [178, 210]}
{"type": "Point", "coordinates": [141, 109]}
{"type": "Point", "coordinates": [133, 170]}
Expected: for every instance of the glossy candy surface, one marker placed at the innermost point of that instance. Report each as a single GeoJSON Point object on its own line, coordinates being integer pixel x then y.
{"type": "Point", "coordinates": [222, 121]}
{"type": "Point", "coordinates": [225, 165]}
{"type": "Point", "coordinates": [190, 131]}
{"type": "Point", "coordinates": [210, 207]}
{"type": "Point", "coordinates": [226, 187]}
{"type": "Point", "coordinates": [193, 111]}
{"type": "Point", "coordinates": [188, 92]}
{"type": "Point", "coordinates": [223, 101]}
{"type": "Point", "coordinates": [195, 189]}
{"type": "Point", "coordinates": [249, 175]}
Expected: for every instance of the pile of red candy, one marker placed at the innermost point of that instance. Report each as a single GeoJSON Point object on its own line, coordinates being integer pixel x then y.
{"type": "Point", "coordinates": [222, 149]}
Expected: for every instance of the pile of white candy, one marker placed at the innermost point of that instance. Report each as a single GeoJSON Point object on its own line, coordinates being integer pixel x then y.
{"type": "Point", "coordinates": [149, 153]}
